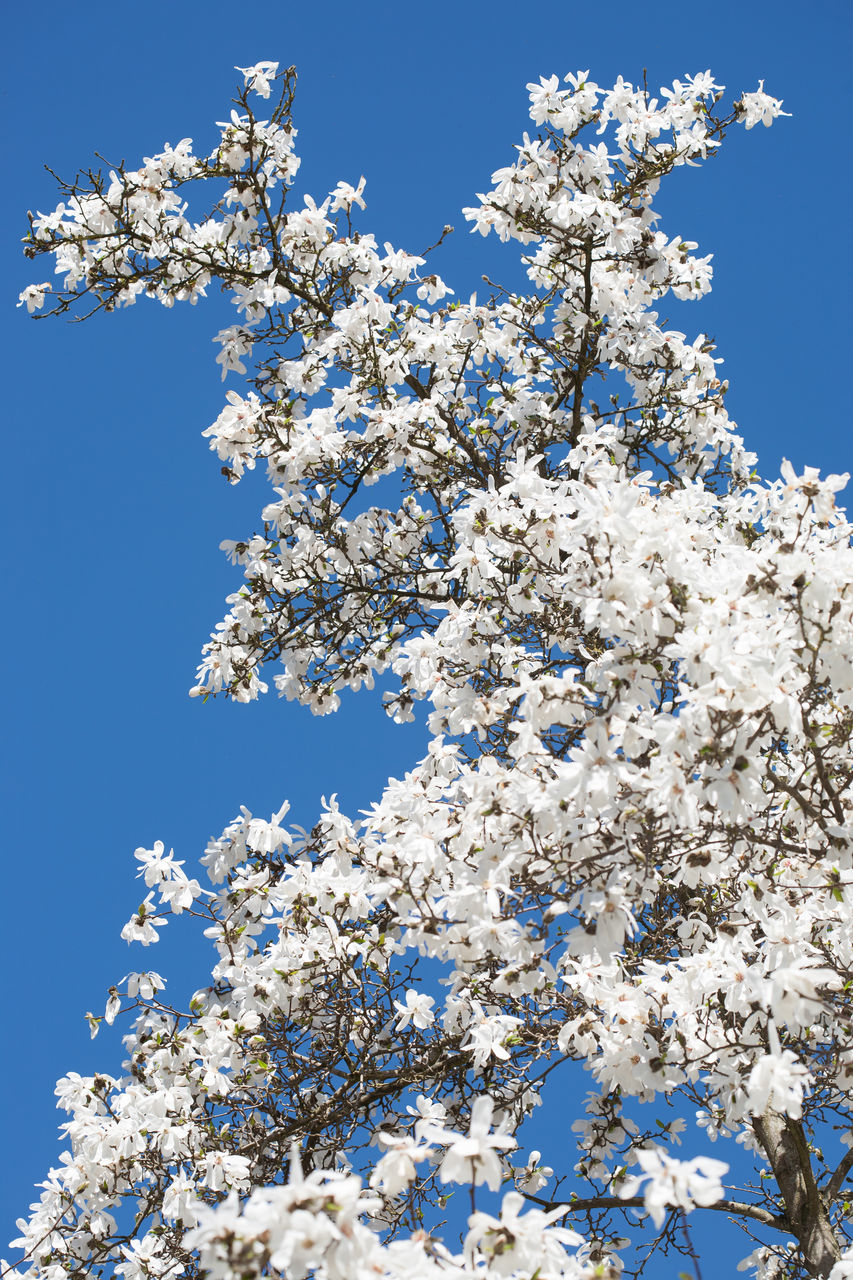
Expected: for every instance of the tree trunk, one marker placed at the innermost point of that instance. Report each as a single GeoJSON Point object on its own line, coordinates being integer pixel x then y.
{"type": "Point", "coordinates": [785, 1146]}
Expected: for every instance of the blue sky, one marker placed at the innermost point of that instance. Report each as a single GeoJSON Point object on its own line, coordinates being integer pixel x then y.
{"type": "Point", "coordinates": [114, 509]}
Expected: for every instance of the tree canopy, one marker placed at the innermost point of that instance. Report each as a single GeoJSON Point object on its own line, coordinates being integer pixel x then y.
{"type": "Point", "coordinates": [629, 843]}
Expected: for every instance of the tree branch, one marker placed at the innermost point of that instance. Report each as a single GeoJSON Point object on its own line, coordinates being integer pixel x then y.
{"type": "Point", "coordinates": [784, 1143]}
{"type": "Point", "coordinates": [833, 1187]}
{"type": "Point", "coordinates": [740, 1208]}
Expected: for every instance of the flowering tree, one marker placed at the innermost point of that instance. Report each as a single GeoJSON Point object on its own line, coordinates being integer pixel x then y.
{"type": "Point", "coordinates": [629, 844]}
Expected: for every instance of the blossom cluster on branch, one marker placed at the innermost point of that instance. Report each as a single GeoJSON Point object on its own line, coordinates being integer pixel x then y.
{"type": "Point", "coordinates": [629, 843]}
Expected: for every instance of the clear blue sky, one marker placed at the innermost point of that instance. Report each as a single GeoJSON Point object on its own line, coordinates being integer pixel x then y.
{"type": "Point", "coordinates": [114, 509]}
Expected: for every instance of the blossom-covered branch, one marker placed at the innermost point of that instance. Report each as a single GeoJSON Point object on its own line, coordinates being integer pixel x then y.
{"type": "Point", "coordinates": [629, 843]}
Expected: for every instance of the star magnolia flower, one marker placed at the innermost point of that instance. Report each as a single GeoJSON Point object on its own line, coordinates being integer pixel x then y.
{"type": "Point", "coordinates": [142, 927]}
{"type": "Point", "coordinates": [521, 1243]}
{"type": "Point", "coordinates": [258, 77]}
{"type": "Point", "coordinates": [780, 1081]}
{"type": "Point", "coordinates": [671, 1183]}
{"type": "Point", "coordinates": [396, 1169]}
{"type": "Point", "coordinates": [535, 1174]}
{"type": "Point", "coordinates": [417, 1010]}
{"type": "Point", "coordinates": [760, 108]}
{"type": "Point", "coordinates": [33, 296]}
{"type": "Point", "coordinates": [143, 985]}
{"type": "Point", "coordinates": [474, 1158]}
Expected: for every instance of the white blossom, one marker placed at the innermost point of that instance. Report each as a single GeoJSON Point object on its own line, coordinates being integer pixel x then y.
{"type": "Point", "coordinates": [258, 77]}
{"type": "Point", "coordinates": [671, 1183]}
{"type": "Point", "coordinates": [474, 1158]}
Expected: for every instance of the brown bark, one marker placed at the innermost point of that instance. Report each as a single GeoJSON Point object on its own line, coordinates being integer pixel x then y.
{"type": "Point", "coordinates": [786, 1148]}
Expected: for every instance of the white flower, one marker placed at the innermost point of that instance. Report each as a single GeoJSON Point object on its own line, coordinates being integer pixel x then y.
{"type": "Point", "coordinates": [778, 1081]}
{"type": "Point", "coordinates": [179, 892]}
{"type": "Point", "coordinates": [487, 1038]}
{"type": "Point", "coordinates": [396, 1169]}
{"type": "Point", "coordinates": [179, 1200]}
{"type": "Point", "coordinates": [474, 1158]}
{"type": "Point", "coordinates": [430, 1115]}
{"type": "Point", "coordinates": [521, 1243]}
{"type": "Point", "coordinates": [142, 927]}
{"type": "Point", "coordinates": [417, 1009]}
{"type": "Point", "coordinates": [156, 865]}
{"type": "Point", "coordinates": [671, 1183]}
{"type": "Point", "coordinates": [33, 296]}
{"type": "Point", "coordinates": [535, 1174]}
{"type": "Point", "coordinates": [345, 196]}
{"type": "Point", "coordinates": [144, 985]}
{"type": "Point", "coordinates": [759, 107]}
{"type": "Point", "coordinates": [222, 1169]}
{"type": "Point", "coordinates": [432, 289]}
{"type": "Point", "coordinates": [113, 1007]}
{"type": "Point", "coordinates": [257, 78]}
